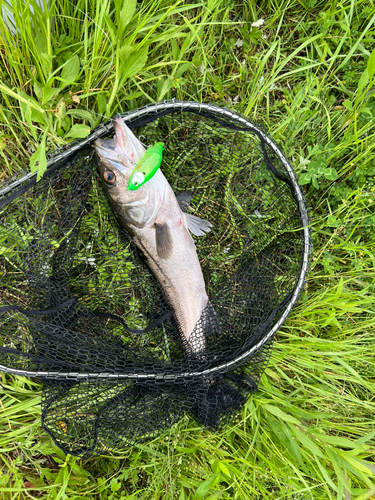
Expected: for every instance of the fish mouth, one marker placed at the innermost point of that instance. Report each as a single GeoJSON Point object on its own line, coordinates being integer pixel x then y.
{"type": "Point", "coordinates": [114, 144]}
{"type": "Point", "coordinates": [106, 144]}
{"type": "Point", "coordinates": [122, 140]}
{"type": "Point", "coordinates": [123, 149]}
{"type": "Point", "coordinates": [110, 155]}
{"type": "Point", "coordinates": [105, 149]}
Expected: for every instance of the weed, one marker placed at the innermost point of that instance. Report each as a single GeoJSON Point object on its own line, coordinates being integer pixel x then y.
{"type": "Point", "coordinates": [307, 75]}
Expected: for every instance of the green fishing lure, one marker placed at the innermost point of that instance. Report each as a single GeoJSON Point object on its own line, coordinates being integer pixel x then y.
{"type": "Point", "coordinates": [147, 166]}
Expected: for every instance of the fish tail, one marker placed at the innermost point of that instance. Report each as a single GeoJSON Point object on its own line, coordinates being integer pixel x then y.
{"type": "Point", "coordinates": [207, 326]}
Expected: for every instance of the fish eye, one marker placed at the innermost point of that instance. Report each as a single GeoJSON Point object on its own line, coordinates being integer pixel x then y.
{"type": "Point", "coordinates": [136, 183]}
{"type": "Point", "coordinates": [109, 177]}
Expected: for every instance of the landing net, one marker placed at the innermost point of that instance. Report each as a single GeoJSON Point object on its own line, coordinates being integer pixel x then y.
{"type": "Point", "coordinates": [81, 311]}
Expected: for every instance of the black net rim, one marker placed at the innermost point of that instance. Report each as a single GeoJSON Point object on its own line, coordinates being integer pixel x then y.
{"type": "Point", "coordinates": [136, 118]}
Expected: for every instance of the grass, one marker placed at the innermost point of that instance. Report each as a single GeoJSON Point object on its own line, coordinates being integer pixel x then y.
{"type": "Point", "coordinates": [306, 76]}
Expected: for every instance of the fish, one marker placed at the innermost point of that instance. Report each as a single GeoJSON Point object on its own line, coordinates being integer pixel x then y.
{"type": "Point", "coordinates": [161, 231]}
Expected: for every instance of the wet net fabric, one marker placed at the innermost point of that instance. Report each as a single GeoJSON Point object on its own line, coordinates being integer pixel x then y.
{"type": "Point", "coordinates": [80, 309]}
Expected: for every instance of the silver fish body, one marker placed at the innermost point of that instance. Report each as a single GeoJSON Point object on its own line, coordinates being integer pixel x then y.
{"type": "Point", "coordinates": [152, 216]}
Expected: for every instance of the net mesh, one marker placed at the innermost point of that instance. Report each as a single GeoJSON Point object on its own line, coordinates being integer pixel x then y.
{"type": "Point", "coordinates": [80, 309]}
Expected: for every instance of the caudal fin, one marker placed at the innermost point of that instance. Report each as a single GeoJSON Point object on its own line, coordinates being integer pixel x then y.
{"type": "Point", "coordinates": [207, 326]}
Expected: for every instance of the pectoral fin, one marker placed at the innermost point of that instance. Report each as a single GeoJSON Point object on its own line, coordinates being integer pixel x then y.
{"type": "Point", "coordinates": [164, 243]}
{"type": "Point", "coordinates": [196, 225]}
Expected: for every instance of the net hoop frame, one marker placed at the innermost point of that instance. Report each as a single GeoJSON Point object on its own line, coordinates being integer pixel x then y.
{"type": "Point", "coordinates": [105, 129]}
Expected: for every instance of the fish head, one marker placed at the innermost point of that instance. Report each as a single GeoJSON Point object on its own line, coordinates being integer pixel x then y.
{"type": "Point", "coordinates": [120, 153]}
{"type": "Point", "coordinates": [113, 168]}
{"type": "Point", "coordinates": [116, 159]}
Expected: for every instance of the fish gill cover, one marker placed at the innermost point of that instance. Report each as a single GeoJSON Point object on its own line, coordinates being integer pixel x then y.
{"type": "Point", "coordinates": [81, 310]}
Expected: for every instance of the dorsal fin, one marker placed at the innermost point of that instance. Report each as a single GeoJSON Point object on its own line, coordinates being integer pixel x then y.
{"type": "Point", "coordinates": [184, 199]}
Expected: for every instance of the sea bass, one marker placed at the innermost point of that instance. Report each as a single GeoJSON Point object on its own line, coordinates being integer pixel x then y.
{"type": "Point", "coordinates": [153, 218]}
